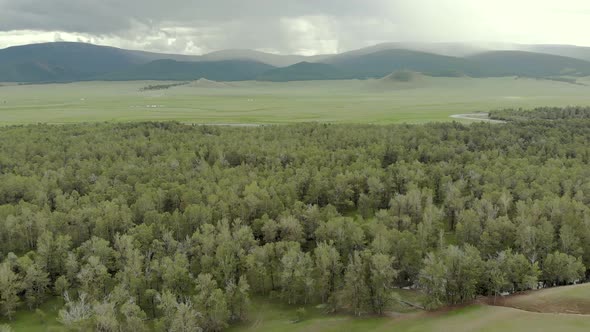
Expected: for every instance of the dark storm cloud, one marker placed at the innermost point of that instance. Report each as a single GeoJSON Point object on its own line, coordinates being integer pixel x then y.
{"type": "Point", "coordinates": [113, 16]}
{"type": "Point", "coordinates": [290, 26]}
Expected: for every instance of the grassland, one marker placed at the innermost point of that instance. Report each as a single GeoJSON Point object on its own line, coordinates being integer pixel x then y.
{"type": "Point", "coordinates": [554, 312]}
{"type": "Point", "coordinates": [547, 310]}
{"type": "Point", "coordinates": [469, 319]}
{"type": "Point", "coordinates": [567, 300]}
{"type": "Point", "coordinates": [42, 320]}
{"type": "Point", "coordinates": [354, 101]}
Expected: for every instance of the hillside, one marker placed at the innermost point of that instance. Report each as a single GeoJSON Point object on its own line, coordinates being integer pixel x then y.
{"type": "Point", "coordinates": [66, 62]}
{"type": "Point", "coordinates": [399, 80]}
{"type": "Point", "coordinates": [229, 70]}
{"type": "Point", "coordinates": [519, 63]}
{"type": "Point", "coordinates": [62, 61]}
{"type": "Point", "coordinates": [305, 71]}
{"type": "Point", "coordinates": [382, 63]}
{"type": "Point", "coordinates": [277, 60]}
{"type": "Point", "coordinates": [576, 52]}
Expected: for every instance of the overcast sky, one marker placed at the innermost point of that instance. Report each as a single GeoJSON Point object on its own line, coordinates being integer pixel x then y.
{"type": "Point", "coordinates": [291, 26]}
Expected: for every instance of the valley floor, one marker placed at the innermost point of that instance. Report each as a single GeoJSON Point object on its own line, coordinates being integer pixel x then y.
{"type": "Point", "coordinates": [353, 101]}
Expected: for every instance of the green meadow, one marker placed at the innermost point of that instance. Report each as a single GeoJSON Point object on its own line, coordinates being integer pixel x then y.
{"type": "Point", "coordinates": [353, 101]}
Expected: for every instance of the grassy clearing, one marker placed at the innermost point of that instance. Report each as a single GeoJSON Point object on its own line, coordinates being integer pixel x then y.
{"type": "Point", "coordinates": [34, 321]}
{"type": "Point", "coordinates": [568, 300]}
{"type": "Point", "coordinates": [271, 317]}
{"type": "Point", "coordinates": [491, 319]}
{"type": "Point", "coordinates": [268, 315]}
{"type": "Point", "coordinates": [354, 101]}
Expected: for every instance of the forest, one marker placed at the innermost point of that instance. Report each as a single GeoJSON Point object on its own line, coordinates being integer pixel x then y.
{"type": "Point", "coordinates": [175, 227]}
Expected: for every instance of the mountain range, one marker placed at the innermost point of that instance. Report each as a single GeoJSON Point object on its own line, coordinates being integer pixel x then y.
{"type": "Point", "coordinates": [67, 62]}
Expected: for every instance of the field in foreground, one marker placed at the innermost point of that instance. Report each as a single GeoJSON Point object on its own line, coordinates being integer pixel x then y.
{"type": "Point", "coordinates": [554, 305]}
{"type": "Point", "coordinates": [546, 310]}
{"type": "Point", "coordinates": [473, 318]}
{"type": "Point", "coordinates": [566, 300]}
{"type": "Point", "coordinates": [372, 101]}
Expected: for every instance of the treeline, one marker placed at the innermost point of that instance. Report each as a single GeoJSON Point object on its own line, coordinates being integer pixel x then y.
{"type": "Point", "coordinates": [542, 113]}
{"type": "Point", "coordinates": [153, 87]}
{"type": "Point", "coordinates": [180, 226]}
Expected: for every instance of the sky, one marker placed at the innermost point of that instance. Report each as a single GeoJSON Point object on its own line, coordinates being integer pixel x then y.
{"type": "Point", "coordinates": [306, 27]}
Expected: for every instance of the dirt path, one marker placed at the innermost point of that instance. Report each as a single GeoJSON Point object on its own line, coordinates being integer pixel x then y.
{"type": "Point", "coordinates": [476, 117]}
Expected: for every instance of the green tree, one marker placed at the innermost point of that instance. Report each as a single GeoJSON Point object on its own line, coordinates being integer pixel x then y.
{"type": "Point", "coordinates": [328, 270]}
{"type": "Point", "coordinates": [210, 302]}
{"type": "Point", "coordinates": [560, 269]}
{"type": "Point", "coordinates": [356, 291]}
{"type": "Point", "coordinates": [10, 286]}
{"type": "Point", "coordinates": [296, 276]}
{"type": "Point", "coordinates": [380, 282]}
{"type": "Point", "coordinates": [36, 285]}
{"type": "Point", "coordinates": [238, 299]}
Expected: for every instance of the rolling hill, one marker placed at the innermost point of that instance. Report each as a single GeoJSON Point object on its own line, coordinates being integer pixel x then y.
{"type": "Point", "coordinates": [576, 52]}
{"type": "Point", "coordinates": [383, 63]}
{"type": "Point", "coordinates": [519, 63]}
{"type": "Point", "coordinates": [276, 60]}
{"type": "Point", "coordinates": [228, 70]}
{"type": "Point", "coordinates": [65, 62]}
{"type": "Point", "coordinates": [61, 62]}
{"type": "Point", "coordinates": [305, 71]}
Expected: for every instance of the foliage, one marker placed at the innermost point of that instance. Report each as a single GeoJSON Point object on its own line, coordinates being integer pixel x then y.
{"type": "Point", "coordinates": [184, 224]}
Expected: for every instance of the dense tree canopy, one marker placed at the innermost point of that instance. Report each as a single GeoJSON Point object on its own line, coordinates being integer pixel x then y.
{"type": "Point", "coordinates": [183, 224]}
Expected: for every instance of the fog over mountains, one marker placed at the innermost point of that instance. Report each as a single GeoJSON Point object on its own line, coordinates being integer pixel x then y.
{"type": "Point", "coordinates": [67, 61]}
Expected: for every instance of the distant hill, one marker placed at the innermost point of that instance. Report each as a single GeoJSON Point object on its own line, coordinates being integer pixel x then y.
{"type": "Point", "coordinates": [276, 60]}
{"type": "Point", "coordinates": [65, 62]}
{"type": "Point", "coordinates": [448, 49]}
{"type": "Point", "coordinates": [570, 51]}
{"type": "Point", "coordinates": [229, 70]}
{"type": "Point", "coordinates": [382, 63]}
{"type": "Point", "coordinates": [305, 71]}
{"type": "Point", "coordinates": [61, 61]}
{"type": "Point", "coordinates": [519, 63]}
{"type": "Point", "coordinates": [403, 79]}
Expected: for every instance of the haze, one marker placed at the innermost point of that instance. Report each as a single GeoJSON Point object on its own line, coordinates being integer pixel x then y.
{"type": "Point", "coordinates": [304, 27]}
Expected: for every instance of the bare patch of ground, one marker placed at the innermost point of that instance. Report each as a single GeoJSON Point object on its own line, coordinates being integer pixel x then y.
{"type": "Point", "coordinates": [476, 117]}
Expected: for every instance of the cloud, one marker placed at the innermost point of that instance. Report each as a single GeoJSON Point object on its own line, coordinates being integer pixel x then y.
{"type": "Point", "coordinates": [294, 26]}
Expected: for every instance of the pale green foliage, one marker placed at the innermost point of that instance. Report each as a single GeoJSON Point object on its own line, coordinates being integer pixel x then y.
{"type": "Point", "coordinates": [328, 270]}
{"type": "Point", "coordinates": [105, 316]}
{"type": "Point", "coordinates": [381, 280]}
{"type": "Point", "coordinates": [210, 302]}
{"type": "Point", "coordinates": [296, 276]}
{"type": "Point", "coordinates": [10, 285]}
{"type": "Point", "coordinates": [36, 284]}
{"type": "Point", "coordinates": [560, 268]}
{"type": "Point", "coordinates": [238, 299]}
{"type": "Point", "coordinates": [6, 328]}
{"type": "Point", "coordinates": [451, 275]}
{"type": "Point", "coordinates": [186, 319]}
{"type": "Point", "coordinates": [76, 314]}
{"type": "Point", "coordinates": [134, 317]}
{"type": "Point", "coordinates": [93, 278]}
{"type": "Point", "coordinates": [356, 290]}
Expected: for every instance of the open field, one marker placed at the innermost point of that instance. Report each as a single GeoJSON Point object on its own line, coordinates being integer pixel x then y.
{"type": "Point", "coordinates": [269, 316]}
{"type": "Point", "coordinates": [44, 320]}
{"type": "Point", "coordinates": [472, 318]}
{"type": "Point", "coordinates": [354, 101]}
{"type": "Point", "coordinates": [567, 300]}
